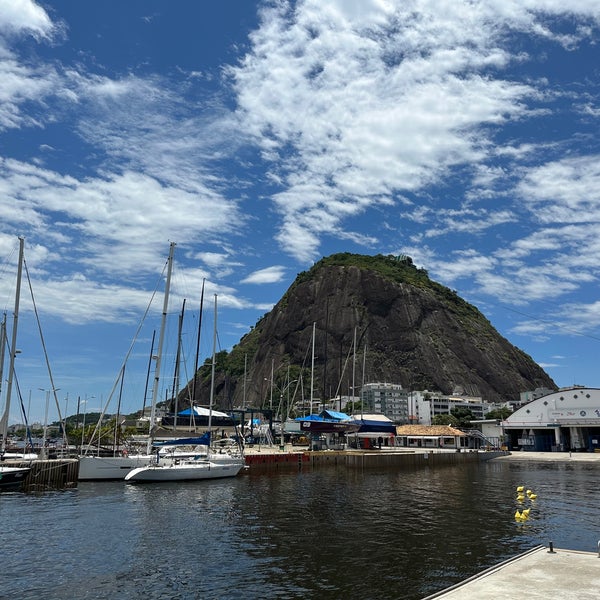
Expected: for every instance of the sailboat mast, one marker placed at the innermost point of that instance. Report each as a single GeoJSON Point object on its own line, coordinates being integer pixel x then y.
{"type": "Point", "coordinates": [312, 368]}
{"type": "Point", "coordinates": [2, 349]}
{"type": "Point", "coordinates": [3, 425]}
{"type": "Point", "coordinates": [161, 338]}
{"type": "Point", "coordinates": [13, 346]}
{"type": "Point", "coordinates": [212, 372]}
{"type": "Point", "coordinates": [354, 367]}
{"type": "Point", "coordinates": [177, 363]}
{"type": "Point", "coordinates": [196, 358]}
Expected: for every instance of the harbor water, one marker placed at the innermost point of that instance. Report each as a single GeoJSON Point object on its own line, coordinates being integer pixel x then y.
{"type": "Point", "coordinates": [322, 533]}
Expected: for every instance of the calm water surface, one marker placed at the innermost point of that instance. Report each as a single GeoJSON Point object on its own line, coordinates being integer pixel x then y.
{"type": "Point", "coordinates": [327, 533]}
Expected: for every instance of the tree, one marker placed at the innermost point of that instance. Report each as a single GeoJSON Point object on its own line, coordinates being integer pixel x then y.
{"type": "Point", "coordinates": [445, 420]}
{"type": "Point", "coordinates": [499, 413]}
{"type": "Point", "coordinates": [463, 415]}
{"type": "Point", "coordinates": [353, 407]}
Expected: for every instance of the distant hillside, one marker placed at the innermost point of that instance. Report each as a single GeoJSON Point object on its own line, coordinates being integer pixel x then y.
{"type": "Point", "coordinates": [408, 328]}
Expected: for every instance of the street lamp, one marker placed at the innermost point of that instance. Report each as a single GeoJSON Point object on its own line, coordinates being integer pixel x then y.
{"type": "Point", "coordinates": [281, 412]}
{"type": "Point", "coordinates": [84, 402]}
{"type": "Point", "coordinates": [44, 451]}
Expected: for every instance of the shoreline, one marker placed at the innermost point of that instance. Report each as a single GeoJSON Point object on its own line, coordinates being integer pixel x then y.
{"type": "Point", "coordinates": [551, 456]}
{"type": "Point", "coordinates": [525, 456]}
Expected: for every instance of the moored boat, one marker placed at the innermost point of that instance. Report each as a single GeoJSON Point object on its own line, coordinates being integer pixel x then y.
{"type": "Point", "coordinates": [116, 467]}
{"type": "Point", "coordinates": [186, 470]}
{"type": "Point", "coordinates": [328, 421]}
{"type": "Point", "coordinates": [228, 462]}
{"type": "Point", "coordinates": [12, 477]}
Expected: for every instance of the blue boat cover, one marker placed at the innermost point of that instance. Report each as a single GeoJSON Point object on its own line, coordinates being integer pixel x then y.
{"type": "Point", "coordinates": [373, 426]}
{"type": "Point", "coordinates": [203, 440]}
{"type": "Point", "coordinates": [326, 415]}
{"type": "Point", "coordinates": [201, 412]}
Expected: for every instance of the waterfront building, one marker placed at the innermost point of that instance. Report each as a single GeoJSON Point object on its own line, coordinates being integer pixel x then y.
{"type": "Point", "coordinates": [568, 419]}
{"type": "Point", "coordinates": [431, 436]}
{"type": "Point", "coordinates": [418, 406]}
{"type": "Point", "coordinates": [430, 404]}
{"type": "Point", "coordinates": [388, 399]}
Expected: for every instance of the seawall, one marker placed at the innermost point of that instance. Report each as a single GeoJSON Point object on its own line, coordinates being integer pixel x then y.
{"type": "Point", "coordinates": [270, 459]}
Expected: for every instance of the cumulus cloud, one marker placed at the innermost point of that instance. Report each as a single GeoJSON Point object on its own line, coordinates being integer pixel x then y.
{"type": "Point", "coordinates": [267, 275]}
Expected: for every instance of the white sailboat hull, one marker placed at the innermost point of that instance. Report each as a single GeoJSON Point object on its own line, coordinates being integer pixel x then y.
{"type": "Point", "coordinates": [111, 467]}
{"type": "Point", "coordinates": [186, 471]}
{"type": "Point", "coordinates": [116, 467]}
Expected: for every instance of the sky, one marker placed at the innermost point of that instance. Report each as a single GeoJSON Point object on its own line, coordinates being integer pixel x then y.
{"type": "Point", "coordinates": [260, 137]}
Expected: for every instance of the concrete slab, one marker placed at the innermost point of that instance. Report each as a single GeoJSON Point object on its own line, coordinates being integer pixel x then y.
{"type": "Point", "coordinates": [552, 456]}
{"type": "Point", "coordinates": [539, 573]}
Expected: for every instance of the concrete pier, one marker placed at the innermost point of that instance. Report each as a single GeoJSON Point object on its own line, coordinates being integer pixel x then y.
{"type": "Point", "coordinates": [288, 457]}
{"type": "Point", "coordinates": [543, 572]}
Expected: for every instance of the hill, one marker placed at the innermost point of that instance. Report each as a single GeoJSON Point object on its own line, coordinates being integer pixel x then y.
{"type": "Point", "coordinates": [408, 329]}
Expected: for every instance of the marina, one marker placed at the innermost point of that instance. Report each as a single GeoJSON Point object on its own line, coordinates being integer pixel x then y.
{"type": "Point", "coordinates": [304, 532]}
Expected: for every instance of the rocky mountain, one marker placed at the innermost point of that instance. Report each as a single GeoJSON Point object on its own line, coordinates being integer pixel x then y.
{"type": "Point", "coordinates": [376, 319]}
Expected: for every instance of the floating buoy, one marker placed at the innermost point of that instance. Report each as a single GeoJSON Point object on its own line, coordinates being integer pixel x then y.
{"type": "Point", "coordinates": [520, 488]}
{"type": "Point", "coordinates": [532, 496]}
{"type": "Point", "coordinates": [526, 512]}
{"type": "Point", "coordinates": [528, 492]}
{"type": "Point", "coordinates": [518, 516]}
{"type": "Point", "coordinates": [520, 497]}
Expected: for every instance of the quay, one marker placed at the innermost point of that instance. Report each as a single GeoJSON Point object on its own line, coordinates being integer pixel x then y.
{"type": "Point", "coordinates": [542, 572]}
{"type": "Point", "coordinates": [268, 458]}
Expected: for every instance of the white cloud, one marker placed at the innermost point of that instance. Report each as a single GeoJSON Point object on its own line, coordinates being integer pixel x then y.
{"type": "Point", "coordinates": [564, 191]}
{"type": "Point", "coordinates": [267, 275]}
{"type": "Point", "coordinates": [411, 98]}
{"type": "Point", "coordinates": [17, 16]}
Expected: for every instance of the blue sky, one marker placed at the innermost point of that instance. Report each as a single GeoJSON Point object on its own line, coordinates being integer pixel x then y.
{"type": "Point", "coordinates": [262, 136]}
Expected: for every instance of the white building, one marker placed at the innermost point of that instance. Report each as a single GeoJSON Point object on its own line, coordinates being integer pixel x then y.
{"type": "Point", "coordinates": [388, 399]}
{"type": "Point", "coordinates": [565, 420]}
{"type": "Point", "coordinates": [418, 407]}
{"type": "Point", "coordinates": [430, 404]}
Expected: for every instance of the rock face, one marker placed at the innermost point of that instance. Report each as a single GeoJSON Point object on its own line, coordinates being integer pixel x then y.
{"type": "Point", "coordinates": [376, 319]}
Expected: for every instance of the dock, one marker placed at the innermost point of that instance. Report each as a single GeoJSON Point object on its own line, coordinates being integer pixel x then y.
{"type": "Point", "coordinates": [268, 458]}
{"type": "Point", "coordinates": [542, 572]}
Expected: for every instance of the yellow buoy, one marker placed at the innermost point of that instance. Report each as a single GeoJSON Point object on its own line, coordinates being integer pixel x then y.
{"type": "Point", "coordinates": [518, 516]}
{"type": "Point", "coordinates": [528, 492]}
{"type": "Point", "coordinates": [532, 496]}
{"type": "Point", "coordinates": [526, 512]}
{"type": "Point", "coordinates": [520, 497]}
{"type": "Point", "coordinates": [520, 488]}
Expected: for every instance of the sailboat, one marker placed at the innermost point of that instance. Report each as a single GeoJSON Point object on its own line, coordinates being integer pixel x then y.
{"type": "Point", "coordinates": [209, 466]}
{"type": "Point", "coordinates": [116, 467]}
{"type": "Point", "coordinates": [11, 477]}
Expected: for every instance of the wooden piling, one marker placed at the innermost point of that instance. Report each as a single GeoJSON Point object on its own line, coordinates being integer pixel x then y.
{"type": "Point", "coordinates": [54, 474]}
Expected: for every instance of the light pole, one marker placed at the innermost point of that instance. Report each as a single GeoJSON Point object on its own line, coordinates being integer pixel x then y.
{"type": "Point", "coordinates": [44, 451]}
{"type": "Point", "coordinates": [282, 417]}
{"type": "Point", "coordinates": [84, 402]}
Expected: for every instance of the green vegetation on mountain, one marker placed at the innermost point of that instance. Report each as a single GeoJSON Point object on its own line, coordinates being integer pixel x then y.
{"type": "Point", "coordinates": [409, 330]}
